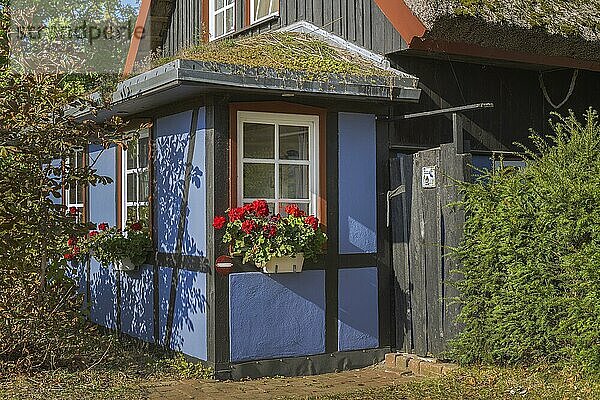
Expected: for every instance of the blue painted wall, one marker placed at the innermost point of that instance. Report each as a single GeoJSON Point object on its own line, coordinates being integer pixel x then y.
{"type": "Point", "coordinates": [103, 292]}
{"type": "Point", "coordinates": [102, 202]}
{"type": "Point", "coordinates": [189, 319]}
{"type": "Point", "coordinates": [164, 287]}
{"type": "Point", "coordinates": [137, 303]}
{"type": "Point", "coordinates": [172, 141]}
{"type": "Point", "coordinates": [357, 184]}
{"type": "Point", "coordinates": [275, 316]}
{"type": "Point", "coordinates": [358, 311]}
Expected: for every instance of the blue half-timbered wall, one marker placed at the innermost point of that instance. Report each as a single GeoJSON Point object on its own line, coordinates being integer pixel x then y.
{"type": "Point", "coordinates": [358, 287]}
{"type": "Point", "coordinates": [126, 300]}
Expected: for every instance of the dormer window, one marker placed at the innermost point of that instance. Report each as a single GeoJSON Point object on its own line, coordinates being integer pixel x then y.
{"type": "Point", "coordinates": [262, 9]}
{"type": "Point", "coordinates": [222, 18]}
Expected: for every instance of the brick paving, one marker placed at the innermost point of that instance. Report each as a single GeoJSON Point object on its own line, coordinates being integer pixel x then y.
{"type": "Point", "coordinates": [280, 388]}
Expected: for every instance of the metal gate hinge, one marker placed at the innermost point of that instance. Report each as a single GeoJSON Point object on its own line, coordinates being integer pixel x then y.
{"type": "Point", "coordinates": [390, 194]}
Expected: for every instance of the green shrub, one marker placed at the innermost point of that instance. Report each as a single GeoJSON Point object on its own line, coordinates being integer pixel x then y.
{"type": "Point", "coordinates": [531, 255]}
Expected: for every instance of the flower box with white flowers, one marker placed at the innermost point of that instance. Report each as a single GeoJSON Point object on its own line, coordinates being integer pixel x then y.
{"type": "Point", "coordinates": [274, 243]}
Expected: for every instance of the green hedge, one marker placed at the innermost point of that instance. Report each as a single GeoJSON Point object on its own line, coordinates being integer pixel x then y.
{"type": "Point", "coordinates": [531, 255]}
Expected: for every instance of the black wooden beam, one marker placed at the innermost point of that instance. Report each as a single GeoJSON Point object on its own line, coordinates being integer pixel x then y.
{"type": "Point", "coordinates": [217, 189]}
{"type": "Point", "coordinates": [332, 257]}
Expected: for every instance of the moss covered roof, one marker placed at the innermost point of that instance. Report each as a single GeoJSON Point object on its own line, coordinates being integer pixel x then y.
{"type": "Point", "coordinates": [286, 51]}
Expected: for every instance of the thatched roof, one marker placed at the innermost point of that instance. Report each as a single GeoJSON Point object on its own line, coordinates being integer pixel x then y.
{"type": "Point", "coordinates": [569, 18]}
{"type": "Point", "coordinates": [562, 28]}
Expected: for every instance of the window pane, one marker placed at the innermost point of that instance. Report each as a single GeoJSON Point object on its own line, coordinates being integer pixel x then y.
{"type": "Point", "coordinates": [219, 28]}
{"type": "Point", "coordinates": [219, 4]}
{"type": "Point", "coordinates": [131, 184]}
{"type": "Point", "coordinates": [259, 140]}
{"type": "Point", "coordinates": [143, 150]}
{"type": "Point", "coordinates": [274, 6]}
{"type": "Point", "coordinates": [132, 154]}
{"type": "Point", "coordinates": [259, 181]}
{"type": "Point", "coordinates": [293, 181]}
{"type": "Point", "coordinates": [302, 206]}
{"type": "Point", "coordinates": [293, 142]}
{"type": "Point", "coordinates": [144, 213]}
{"type": "Point", "coordinates": [229, 19]}
{"type": "Point", "coordinates": [73, 193]}
{"type": "Point", "coordinates": [79, 191]}
{"type": "Point", "coordinates": [261, 8]}
{"type": "Point", "coordinates": [131, 214]}
{"type": "Point", "coordinates": [144, 186]}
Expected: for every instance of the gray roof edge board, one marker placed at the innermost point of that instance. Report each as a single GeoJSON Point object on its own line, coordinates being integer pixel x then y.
{"type": "Point", "coordinates": [235, 76]}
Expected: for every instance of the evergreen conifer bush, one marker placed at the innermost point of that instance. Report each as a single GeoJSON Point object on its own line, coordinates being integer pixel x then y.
{"type": "Point", "coordinates": [530, 286]}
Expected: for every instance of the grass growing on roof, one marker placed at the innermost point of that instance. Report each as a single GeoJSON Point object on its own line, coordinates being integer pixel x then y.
{"type": "Point", "coordinates": [285, 51]}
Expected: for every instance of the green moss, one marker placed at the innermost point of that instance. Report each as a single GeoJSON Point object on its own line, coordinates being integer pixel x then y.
{"type": "Point", "coordinates": [281, 51]}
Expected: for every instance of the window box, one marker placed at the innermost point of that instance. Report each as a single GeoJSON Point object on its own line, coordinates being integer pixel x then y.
{"type": "Point", "coordinates": [279, 265]}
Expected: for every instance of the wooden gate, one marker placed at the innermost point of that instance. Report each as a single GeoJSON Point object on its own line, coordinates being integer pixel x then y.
{"type": "Point", "coordinates": [424, 225]}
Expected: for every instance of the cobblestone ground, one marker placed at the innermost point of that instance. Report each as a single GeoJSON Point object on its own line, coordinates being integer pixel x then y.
{"type": "Point", "coordinates": [279, 388]}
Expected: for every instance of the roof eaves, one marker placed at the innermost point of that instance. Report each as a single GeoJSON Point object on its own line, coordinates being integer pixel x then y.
{"type": "Point", "coordinates": [181, 72]}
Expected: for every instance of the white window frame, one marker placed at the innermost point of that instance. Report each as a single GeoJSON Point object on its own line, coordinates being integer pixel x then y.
{"type": "Point", "coordinates": [221, 13]}
{"type": "Point", "coordinates": [310, 121]}
{"type": "Point", "coordinates": [269, 15]}
{"type": "Point", "coordinates": [124, 172]}
{"type": "Point", "coordinates": [78, 154]}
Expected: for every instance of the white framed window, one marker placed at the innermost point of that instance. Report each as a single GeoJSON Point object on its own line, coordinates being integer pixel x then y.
{"type": "Point", "coordinates": [277, 160]}
{"type": "Point", "coordinates": [222, 18]}
{"type": "Point", "coordinates": [75, 191]}
{"type": "Point", "coordinates": [135, 180]}
{"type": "Point", "coordinates": [262, 9]}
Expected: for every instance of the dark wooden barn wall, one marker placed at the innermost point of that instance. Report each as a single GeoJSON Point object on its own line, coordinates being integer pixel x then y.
{"type": "Point", "coordinates": [359, 21]}
{"type": "Point", "coordinates": [516, 93]}
{"type": "Point", "coordinates": [185, 28]}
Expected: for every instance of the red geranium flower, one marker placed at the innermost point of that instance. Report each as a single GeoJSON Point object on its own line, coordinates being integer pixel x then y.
{"type": "Point", "coordinates": [136, 226]}
{"type": "Point", "coordinates": [93, 233]}
{"type": "Point", "coordinates": [294, 210]}
{"type": "Point", "coordinates": [276, 218]}
{"type": "Point", "coordinates": [75, 250]}
{"type": "Point", "coordinates": [219, 222]}
{"type": "Point", "coordinates": [261, 208]}
{"type": "Point", "coordinates": [72, 241]}
{"type": "Point", "coordinates": [312, 221]}
{"type": "Point", "coordinates": [69, 256]}
{"type": "Point", "coordinates": [248, 226]}
{"type": "Point", "coordinates": [73, 210]}
{"type": "Point", "coordinates": [236, 214]}
{"type": "Point", "coordinates": [270, 230]}
{"type": "Point", "coordinates": [248, 209]}
{"type": "Point", "coordinates": [103, 226]}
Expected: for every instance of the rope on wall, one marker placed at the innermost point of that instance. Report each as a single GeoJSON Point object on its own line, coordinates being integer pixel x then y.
{"type": "Point", "coordinates": [569, 93]}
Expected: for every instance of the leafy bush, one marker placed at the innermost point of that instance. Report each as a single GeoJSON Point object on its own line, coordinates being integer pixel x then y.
{"type": "Point", "coordinates": [531, 254]}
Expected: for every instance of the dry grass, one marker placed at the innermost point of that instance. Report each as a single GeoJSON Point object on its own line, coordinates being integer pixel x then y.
{"type": "Point", "coordinates": [277, 50]}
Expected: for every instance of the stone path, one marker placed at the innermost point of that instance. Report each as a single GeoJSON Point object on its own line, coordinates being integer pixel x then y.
{"type": "Point", "coordinates": [280, 388]}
